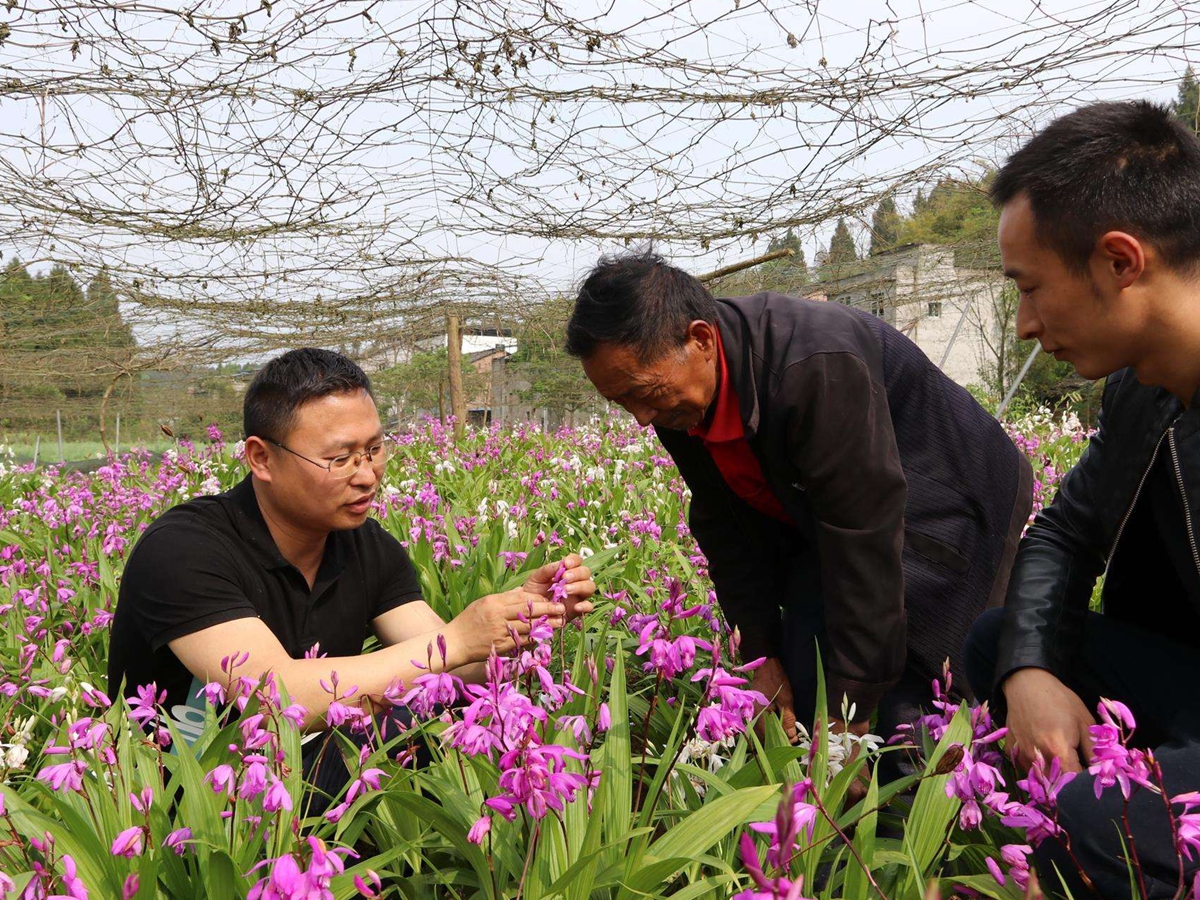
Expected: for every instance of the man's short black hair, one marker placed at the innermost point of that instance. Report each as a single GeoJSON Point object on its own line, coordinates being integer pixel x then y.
{"type": "Point", "coordinates": [1130, 166]}
{"type": "Point", "coordinates": [636, 300]}
{"type": "Point", "coordinates": [291, 380]}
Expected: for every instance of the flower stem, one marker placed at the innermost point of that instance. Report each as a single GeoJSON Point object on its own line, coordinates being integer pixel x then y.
{"type": "Point", "coordinates": [646, 740]}
{"type": "Point", "coordinates": [849, 843]}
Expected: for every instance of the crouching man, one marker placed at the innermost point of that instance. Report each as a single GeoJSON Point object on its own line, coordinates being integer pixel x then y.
{"type": "Point", "coordinates": [288, 565]}
{"type": "Point", "coordinates": [843, 489]}
{"type": "Point", "coordinates": [1100, 230]}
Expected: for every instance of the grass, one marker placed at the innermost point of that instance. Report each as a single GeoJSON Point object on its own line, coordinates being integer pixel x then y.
{"type": "Point", "coordinates": [22, 447]}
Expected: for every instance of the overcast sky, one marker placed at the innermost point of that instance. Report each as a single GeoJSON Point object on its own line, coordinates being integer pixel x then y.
{"type": "Point", "coordinates": [870, 92]}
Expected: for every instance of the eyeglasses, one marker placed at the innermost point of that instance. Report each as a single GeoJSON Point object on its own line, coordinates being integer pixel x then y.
{"type": "Point", "coordinates": [345, 466]}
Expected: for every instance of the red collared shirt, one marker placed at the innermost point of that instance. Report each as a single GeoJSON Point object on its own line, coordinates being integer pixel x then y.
{"type": "Point", "coordinates": [725, 439]}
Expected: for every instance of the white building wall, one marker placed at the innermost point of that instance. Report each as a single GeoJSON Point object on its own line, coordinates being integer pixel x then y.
{"type": "Point", "coordinates": [927, 297]}
{"type": "Point", "coordinates": [471, 343]}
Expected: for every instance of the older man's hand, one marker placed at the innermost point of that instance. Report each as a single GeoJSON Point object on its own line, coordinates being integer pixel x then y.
{"type": "Point", "coordinates": [771, 681]}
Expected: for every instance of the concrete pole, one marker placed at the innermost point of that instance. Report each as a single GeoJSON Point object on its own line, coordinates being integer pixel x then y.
{"type": "Point", "coordinates": [499, 387]}
{"type": "Point", "coordinates": [1012, 391]}
{"type": "Point", "coordinates": [954, 337]}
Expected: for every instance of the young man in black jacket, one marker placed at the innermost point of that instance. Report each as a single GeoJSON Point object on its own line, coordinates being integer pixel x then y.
{"type": "Point", "coordinates": [843, 489]}
{"type": "Point", "coordinates": [1100, 230]}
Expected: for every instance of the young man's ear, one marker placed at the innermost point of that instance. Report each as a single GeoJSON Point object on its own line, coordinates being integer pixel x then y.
{"type": "Point", "coordinates": [1123, 257]}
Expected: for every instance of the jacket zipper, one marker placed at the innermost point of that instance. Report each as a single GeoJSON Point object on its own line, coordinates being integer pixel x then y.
{"type": "Point", "coordinates": [1187, 510]}
{"type": "Point", "coordinates": [1137, 494]}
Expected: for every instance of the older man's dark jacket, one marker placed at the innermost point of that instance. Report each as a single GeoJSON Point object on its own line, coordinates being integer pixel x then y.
{"type": "Point", "coordinates": [1096, 524]}
{"type": "Point", "coordinates": [898, 480]}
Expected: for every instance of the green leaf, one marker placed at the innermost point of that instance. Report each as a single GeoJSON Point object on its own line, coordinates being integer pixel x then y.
{"type": "Point", "coordinates": [984, 884]}
{"type": "Point", "coordinates": [575, 881]}
{"type": "Point", "coordinates": [617, 755]}
{"type": "Point", "coordinates": [933, 812]}
{"type": "Point", "coordinates": [857, 885]}
{"type": "Point", "coordinates": [709, 824]}
{"type": "Point", "coordinates": [705, 887]}
{"type": "Point", "coordinates": [451, 829]}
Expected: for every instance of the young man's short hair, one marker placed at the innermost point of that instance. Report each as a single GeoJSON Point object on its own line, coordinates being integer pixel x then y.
{"type": "Point", "coordinates": [636, 300]}
{"type": "Point", "coordinates": [287, 382]}
{"type": "Point", "coordinates": [1130, 166]}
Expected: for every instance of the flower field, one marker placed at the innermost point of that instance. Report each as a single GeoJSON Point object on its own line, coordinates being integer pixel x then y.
{"type": "Point", "coordinates": [611, 760]}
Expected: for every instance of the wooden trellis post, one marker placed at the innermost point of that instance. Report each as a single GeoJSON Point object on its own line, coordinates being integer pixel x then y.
{"type": "Point", "coordinates": [454, 360]}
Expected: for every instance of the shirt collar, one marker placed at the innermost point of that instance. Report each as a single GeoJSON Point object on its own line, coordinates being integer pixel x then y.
{"type": "Point", "coordinates": [254, 531]}
{"type": "Point", "coordinates": [724, 423]}
{"type": "Point", "coordinates": [738, 345]}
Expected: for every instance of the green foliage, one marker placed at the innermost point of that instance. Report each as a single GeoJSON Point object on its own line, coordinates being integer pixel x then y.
{"type": "Point", "coordinates": [543, 373]}
{"type": "Point", "coordinates": [957, 213]}
{"type": "Point", "coordinates": [885, 226]}
{"type": "Point", "coordinates": [1187, 102]}
{"type": "Point", "coordinates": [843, 254]}
{"type": "Point", "coordinates": [59, 343]}
{"type": "Point", "coordinates": [795, 266]}
{"type": "Point", "coordinates": [423, 383]}
{"type": "Point", "coordinates": [789, 275]}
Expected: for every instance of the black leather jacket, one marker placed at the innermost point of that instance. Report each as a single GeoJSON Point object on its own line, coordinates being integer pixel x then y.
{"type": "Point", "coordinates": [1091, 528]}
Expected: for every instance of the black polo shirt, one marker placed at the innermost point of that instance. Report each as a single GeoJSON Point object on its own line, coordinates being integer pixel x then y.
{"type": "Point", "coordinates": [213, 560]}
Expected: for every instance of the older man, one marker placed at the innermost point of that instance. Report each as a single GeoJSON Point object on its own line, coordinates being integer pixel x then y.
{"type": "Point", "coordinates": [844, 490]}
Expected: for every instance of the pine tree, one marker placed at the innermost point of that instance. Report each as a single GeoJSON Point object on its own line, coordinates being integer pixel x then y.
{"type": "Point", "coordinates": [797, 266]}
{"type": "Point", "coordinates": [885, 226]}
{"type": "Point", "coordinates": [842, 251]}
{"type": "Point", "coordinates": [104, 306]}
{"type": "Point", "coordinates": [1187, 103]}
{"type": "Point", "coordinates": [786, 276]}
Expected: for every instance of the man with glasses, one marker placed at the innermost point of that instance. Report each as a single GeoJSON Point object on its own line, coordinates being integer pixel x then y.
{"type": "Point", "coordinates": [288, 568]}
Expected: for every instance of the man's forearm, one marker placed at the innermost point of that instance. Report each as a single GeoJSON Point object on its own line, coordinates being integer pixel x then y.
{"type": "Point", "coordinates": [475, 673]}
{"type": "Point", "coordinates": [371, 673]}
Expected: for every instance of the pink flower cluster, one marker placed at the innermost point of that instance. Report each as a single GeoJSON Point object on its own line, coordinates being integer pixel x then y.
{"type": "Point", "coordinates": [794, 817]}
{"type": "Point", "coordinates": [258, 774]}
{"type": "Point", "coordinates": [502, 723]}
{"type": "Point", "coordinates": [290, 878]}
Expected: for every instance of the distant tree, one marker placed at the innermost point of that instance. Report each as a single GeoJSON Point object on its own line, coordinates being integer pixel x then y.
{"type": "Point", "coordinates": [104, 309]}
{"type": "Point", "coordinates": [61, 343]}
{"type": "Point", "coordinates": [422, 385]}
{"type": "Point", "coordinates": [885, 226]}
{"type": "Point", "coordinates": [842, 251]}
{"type": "Point", "coordinates": [789, 241]}
{"type": "Point", "coordinates": [1187, 102]}
{"type": "Point", "coordinates": [16, 298]}
{"type": "Point", "coordinates": [556, 379]}
{"type": "Point", "coordinates": [957, 213]}
{"type": "Point", "coordinates": [785, 276]}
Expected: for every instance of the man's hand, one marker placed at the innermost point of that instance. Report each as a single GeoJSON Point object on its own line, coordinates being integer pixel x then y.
{"type": "Point", "coordinates": [486, 623]}
{"type": "Point", "coordinates": [772, 682]}
{"type": "Point", "coordinates": [577, 580]}
{"type": "Point", "coordinates": [1045, 715]}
